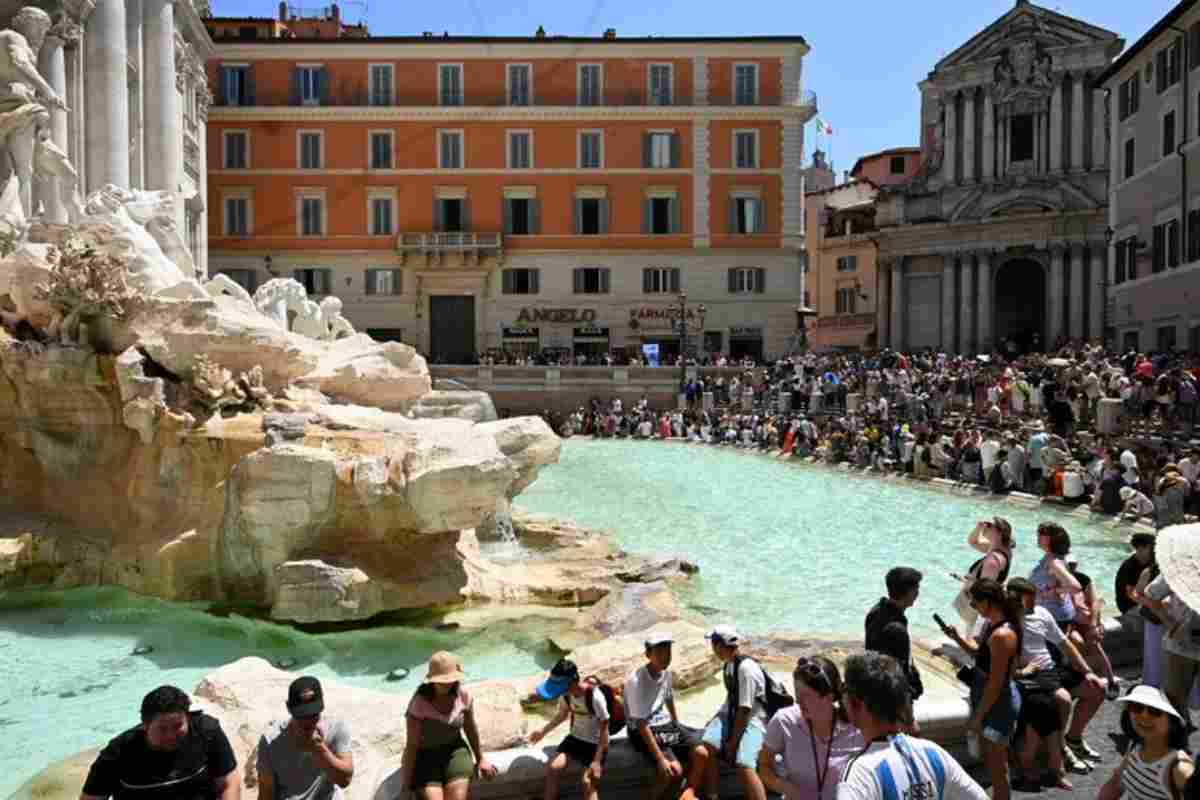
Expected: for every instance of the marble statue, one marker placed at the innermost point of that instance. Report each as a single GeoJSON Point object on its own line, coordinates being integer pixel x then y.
{"type": "Point", "coordinates": [222, 284]}
{"type": "Point", "coordinates": [284, 298]}
{"type": "Point", "coordinates": [22, 113]}
{"type": "Point", "coordinates": [54, 170]}
{"type": "Point", "coordinates": [335, 326]}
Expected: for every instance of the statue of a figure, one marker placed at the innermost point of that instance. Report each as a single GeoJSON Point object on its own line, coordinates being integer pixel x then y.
{"type": "Point", "coordinates": [21, 112]}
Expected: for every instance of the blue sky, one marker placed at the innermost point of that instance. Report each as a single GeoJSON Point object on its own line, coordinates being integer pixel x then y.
{"type": "Point", "coordinates": [867, 55]}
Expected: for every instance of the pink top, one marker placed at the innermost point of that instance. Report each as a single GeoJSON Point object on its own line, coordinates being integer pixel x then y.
{"type": "Point", "coordinates": [788, 735]}
{"type": "Point", "coordinates": [438, 729]}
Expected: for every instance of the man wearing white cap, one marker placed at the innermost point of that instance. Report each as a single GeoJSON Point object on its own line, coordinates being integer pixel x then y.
{"type": "Point", "coordinates": [654, 727]}
{"type": "Point", "coordinates": [736, 733]}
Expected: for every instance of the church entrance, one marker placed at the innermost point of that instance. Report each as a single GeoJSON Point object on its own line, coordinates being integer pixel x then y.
{"type": "Point", "coordinates": [1020, 314]}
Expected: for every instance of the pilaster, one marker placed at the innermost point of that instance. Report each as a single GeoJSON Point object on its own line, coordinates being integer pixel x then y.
{"type": "Point", "coordinates": [949, 302]}
{"type": "Point", "coordinates": [968, 137]}
{"type": "Point", "coordinates": [950, 156]}
{"type": "Point", "coordinates": [164, 133]}
{"type": "Point", "coordinates": [107, 91]}
{"type": "Point", "coordinates": [1097, 276]}
{"type": "Point", "coordinates": [52, 65]}
{"type": "Point", "coordinates": [1077, 127]}
{"type": "Point", "coordinates": [1077, 291]}
{"type": "Point", "coordinates": [984, 342]}
{"type": "Point", "coordinates": [1054, 297]}
{"type": "Point", "coordinates": [700, 80]}
{"type": "Point", "coordinates": [1056, 125]}
{"type": "Point", "coordinates": [989, 138]}
{"type": "Point", "coordinates": [897, 337]}
{"type": "Point", "coordinates": [137, 95]}
{"type": "Point", "coordinates": [966, 301]}
{"type": "Point", "coordinates": [792, 211]}
{"type": "Point", "coordinates": [1099, 132]}
{"type": "Point", "coordinates": [701, 202]}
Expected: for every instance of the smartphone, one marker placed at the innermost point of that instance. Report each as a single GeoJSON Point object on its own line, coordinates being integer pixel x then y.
{"type": "Point", "coordinates": [941, 622]}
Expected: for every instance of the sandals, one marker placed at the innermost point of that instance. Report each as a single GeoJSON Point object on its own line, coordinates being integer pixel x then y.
{"type": "Point", "coordinates": [1056, 780]}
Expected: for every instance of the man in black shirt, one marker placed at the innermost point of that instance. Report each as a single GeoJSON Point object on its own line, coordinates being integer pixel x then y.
{"type": "Point", "coordinates": [887, 627]}
{"type": "Point", "coordinates": [175, 754]}
{"type": "Point", "coordinates": [1131, 569]}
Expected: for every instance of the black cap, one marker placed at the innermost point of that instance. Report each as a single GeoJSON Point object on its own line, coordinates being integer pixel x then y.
{"type": "Point", "coordinates": [305, 698]}
{"type": "Point", "coordinates": [1142, 539]}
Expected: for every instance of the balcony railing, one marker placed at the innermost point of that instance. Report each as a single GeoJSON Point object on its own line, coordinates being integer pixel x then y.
{"type": "Point", "coordinates": [470, 247]}
{"type": "Point", "coordinates": [847, 321]}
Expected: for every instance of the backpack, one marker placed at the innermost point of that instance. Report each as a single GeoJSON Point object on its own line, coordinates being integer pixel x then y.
{"type": "Point", "coordinates": [612, 698]}
{"type": "Point", "coordinates": [775, 697]}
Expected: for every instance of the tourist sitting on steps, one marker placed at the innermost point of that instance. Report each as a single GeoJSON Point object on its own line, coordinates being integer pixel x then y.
{"type": "Point", "coordinates": [654, 727]}
{"type": "Point", "coordinates": [307, 755]}
{"type": "Point", "coordinates": [174, 753]}
{"type": "Point", "coordinates": [877, 703]}
{"type": "Point", "coordinates": [587, 743]}
{"type": "Point", "coordinates": [437, 763]}
{"type": "Point", "coordinates": [735, 734]}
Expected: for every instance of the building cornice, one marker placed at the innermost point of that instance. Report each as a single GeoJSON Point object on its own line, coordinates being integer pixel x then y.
{"type": "Point", "coordinates": [189, 22]}
{"type": "Point", "coordinates": [515, 113]}
{"type": "Point", "coordinates": [374, 49]}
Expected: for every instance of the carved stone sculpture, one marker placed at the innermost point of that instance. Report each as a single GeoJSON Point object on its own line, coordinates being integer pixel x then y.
{"type": "Point", "coordinates": [281, 298]}
{"type": "Point", "coordinates": [222, 284]}
{"type": "Point", "coordinates": [335, 325]}
{"type": "Point", "coordinates": [84, 284]}
{"type": "Point", "coordinates": [214, 389]}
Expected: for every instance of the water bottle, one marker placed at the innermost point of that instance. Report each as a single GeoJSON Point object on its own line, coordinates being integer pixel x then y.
{"type": "Point", "coordinates": [973, 745]}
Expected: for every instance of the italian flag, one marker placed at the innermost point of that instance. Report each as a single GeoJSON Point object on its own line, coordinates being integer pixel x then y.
{"type": "Point", "coordinates": [824, 127]}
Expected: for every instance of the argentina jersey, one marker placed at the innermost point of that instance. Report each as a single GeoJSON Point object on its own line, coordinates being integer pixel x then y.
{"type": "Point", "coordinates": [906, 768]}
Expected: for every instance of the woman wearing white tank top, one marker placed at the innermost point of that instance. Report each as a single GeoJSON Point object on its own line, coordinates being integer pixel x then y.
{"type": "Point", "coordinates": [1157, 767]}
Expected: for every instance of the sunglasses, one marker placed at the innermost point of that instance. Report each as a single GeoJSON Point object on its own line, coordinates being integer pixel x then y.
{"type": "Point", "coordinates": [1138, 708]}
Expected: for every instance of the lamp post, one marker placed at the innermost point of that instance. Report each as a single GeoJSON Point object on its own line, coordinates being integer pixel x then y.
{"type": "Point", "coordinates": [803, 312]}
{"type": "Point", "coordinates": [683, 337]}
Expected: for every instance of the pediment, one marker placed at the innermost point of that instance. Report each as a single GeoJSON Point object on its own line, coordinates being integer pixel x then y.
{"type": "Point", "coordinates": [1025, 23]}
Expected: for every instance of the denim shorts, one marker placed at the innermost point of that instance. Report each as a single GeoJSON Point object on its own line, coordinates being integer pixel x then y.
{"type": "Point", "coordinates": [752, 740]}
{"type": "Point", "coordinates": [1001, 721]}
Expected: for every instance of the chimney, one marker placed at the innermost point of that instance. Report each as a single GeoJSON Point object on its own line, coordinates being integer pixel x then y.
{"type": "Point", "coordinates": [336, 13]}
{"type": "Point", "coordinates": [283, 10]}
{"type": "Point", "coordinates": [610, 33]}
{"type": "Point", "coordinates": [540, 33]}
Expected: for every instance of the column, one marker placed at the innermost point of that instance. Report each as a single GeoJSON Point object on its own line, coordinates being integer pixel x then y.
{"type": "Point", "coordinates": [1054, 297]}
{"type": "Point", "coordinates": [137, 95]}
{"type": "Point", "coordinates": [1039, 143]}
{"type": "Point", "coordinates": [969, 136]}
{"type": "Point", "coordinates": [164, 135]}
{"type": "Point", "coordinates": [1077, 128]}
{"type": "Point", "coordinates": [1097, 277]}
{"type": "Point", "coordinates": [1002, 138]}
{"type": "Point", "coordinates": [883, 304]}
{"type": "Point", "coordinates": [966, 301]}
{"type": "Point", "coordinates": [52, 64]}
{"type": "Point", "coordinates": [1099, 137]}
{"type": "Point", "coordinates": [950, 156]}
{"type": "Point", "coordinates": [949, 307]}
{"type": "Point", "coordinates": [989, 137]}
{"type": "Point", "coordinates": [1078, 291]}
{"type": "Point", "coordinates": [107, 90]}
{"type": "Point", "coordinates": [898, 304]}
{"type": "Point", "coordinates": [1056, 125]}
{"type": "Point", "coordinates": [985, 344]}
{"type": "Point", "coordinates": [75, 120]}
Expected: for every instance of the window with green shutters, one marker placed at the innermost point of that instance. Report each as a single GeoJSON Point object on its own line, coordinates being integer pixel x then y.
{"type": "Point", "coordinates": [660, 280]}
{"type": "Point", "coordinates": [746, 215]}
{"type": "Point", "coordinates": [310, 150]}
{"type": "Point", "coordinates": [384, 281]}
{"type": "Point", "coordinates": [450, 149]}
{"type": "Point", "coordinates": [660, 215]}
{"type": "Point", "coordinates": [522, 216]}
{"type": "Point", "coordinates": [591, 216]}
{"type": "Point", "coordinates": [747, 280]}
{"type": "Point", "coordinates": [381, 85]}
{"type": "Point", "coordinates": [660, 150]}
{"type": "Point", "coordinates": [450, 84]}
{"type": "Point", "coordinates": [381, 216]}
{"type": "Point", "coordinates": [519, 281]}
{"type": "Point", "coordinates": [314, 281]}
{"type": "Point", "coordinates": [381, 150]}
{"type": "Point", "coordinates": [745, 79]}
{"type": "Point", "coordinates": [310, 86]}
{"type": "Point", "coordinates": [591, 280]}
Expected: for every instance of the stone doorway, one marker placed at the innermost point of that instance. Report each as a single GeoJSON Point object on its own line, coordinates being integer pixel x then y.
{"type": "Point", "coordinates": [1020, 313]}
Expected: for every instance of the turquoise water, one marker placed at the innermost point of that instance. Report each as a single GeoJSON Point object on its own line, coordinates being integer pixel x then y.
{"type": "Point", "coordinates": [780, 546]}
{"type": "Point", "coordinates": [789, 546]}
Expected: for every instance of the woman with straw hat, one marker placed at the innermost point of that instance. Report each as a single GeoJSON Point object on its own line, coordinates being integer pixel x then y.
{"type": "Point", "coordinates": [437, 762]}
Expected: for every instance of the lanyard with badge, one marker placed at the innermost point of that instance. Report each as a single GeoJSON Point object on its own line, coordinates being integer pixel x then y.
{"type": "Point", "coordinates": [822, 772]}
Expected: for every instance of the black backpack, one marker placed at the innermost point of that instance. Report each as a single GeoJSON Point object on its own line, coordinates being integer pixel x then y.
{"type": "Point", "coordinates": [775, 697]}
{"type": "Point", "coordinates": [612, 698]}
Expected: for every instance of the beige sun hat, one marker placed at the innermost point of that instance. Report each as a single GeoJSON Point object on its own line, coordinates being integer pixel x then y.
{"type": "Point", "coordinates": [1177, 550]}
{"type": "Point", "coordinates": [444, 668]}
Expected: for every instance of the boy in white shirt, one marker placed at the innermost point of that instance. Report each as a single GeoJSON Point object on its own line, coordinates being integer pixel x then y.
{"type": "Point", "coordinates": [587, 743]}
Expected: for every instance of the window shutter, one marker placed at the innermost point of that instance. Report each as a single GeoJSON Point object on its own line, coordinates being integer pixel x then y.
{"type": "Point", "coordinates": [323, 85]}
{"type": "Point", "coordinates": [578, 216]}
{"type": "Point", "coordinates": [507, 208]}
{"type": "Point", "coordinates": [222, 85]}
{"type": "Point", "coordinates": [604, 215]}
{"type": "Point", "coordinates": [604, 280]}
{"type": "Point", "coordinates": [647, 214]}
{"type": "Point", "coordinates": [578, 274]}
{"type": "Point", "coordinates": [675, 150]}
{"type": "Point", "coordinates": [760, 280]}
{"type": "Point", "coordinates": [646, 150]}
{"type": "Point", "coordinates": [295, 86]}
{"type": "Point", "coordinates": [535, 281]}
{"type": "Point", "coordinates": [371, 281]}
{"type": "Point", "coordinates": [674, 279]}
{"type": "Point", "coordinates": [506, 281]}
{"type": "Point", "coordinates": [760, 216]}
{"type": "Point", "coordinates": [733, 215]}
{"type": "Point", "coordinates": [466, 214]}
{"type": "Point", "coordinates": [732, 276]}
{"type": "Point", "coordinates": [647, 281]}
{"type": "Point", "coordinates": [534, 208]}
{"type": "Point", "coordinates": [676, 225]}
{"type": "Point", "coordinates": [250, 93]}
{"type": "Point", "coordinates": [437, 214]}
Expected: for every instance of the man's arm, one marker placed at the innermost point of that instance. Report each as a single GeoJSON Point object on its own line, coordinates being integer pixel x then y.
{"type": "Point", "coordinates": [266, 773]}
{"type": "Point", "coordinates": [228, 786]}
{"type": "Point", "coordinates": [337, 766]}
{"type": "Point", "coordinates": [19, 54]}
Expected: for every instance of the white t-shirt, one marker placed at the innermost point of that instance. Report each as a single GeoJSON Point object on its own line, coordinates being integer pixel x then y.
{"type": "Point", "coordinates": [584, 725]}
{"type": "Point", "coordinates": [1188, 645]}
{"type": "Point", "coordinates": [1129, 462]}
{"type": "Point", "coordinates": [907, 767]}
{"type": "Point", "coordinates": [646, 697]}
{"type": "Point", "coordinates": [751, 691]}
{"type": "Point", "coordinates": [987, 453]}
{"type": "Point", "coordinates": [1040, 628]}
{"type": "Point", "coordinates": [1072, 485]}
{"type": "Point", "coordinates": [1189, 469]}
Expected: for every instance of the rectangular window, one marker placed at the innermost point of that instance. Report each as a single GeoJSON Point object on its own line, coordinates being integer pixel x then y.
{"type": "Point", "coordinates": [661, 214]}
{"type": "Point", "coordinates": [1194, 46]}
{"type": "Point", "coordinates": [1119, 268]}
{"type": "Point", "coordinates": [1166, 338]}
{"type": "Point", "coordinates": [745, 84]}
{"type": "Point", "coordinates": [846, 298]}
{"type": "Point", "coordinates": [450, 149]}
{"type": "Point", "coordinates": [381, 216]}
{"type": "Point", "coordinates": [519, 281]}
{"type": "Point", "coordinates": [308, 84]}
{"type": "Point", "coordinates": [312, 216]}
{"type": "Point", "coordinates": [1159, 258]}
{"type": "Point", "coordinates": [1167, 65]}
{"type": "Point", "coordinates": [591, 216]}
{"type": "Point", "coordinates": [450, 215]}
{"type": "Point", "coordinates": [381, 84]}
{"type": "Point", "coordinates": [1130, 158]}
{"type": "Point", "coordinates": [237, 216]}
{"type": "Point", "coordinates": [746, 215]}
{"type": "Point", "coordinates": [747, 280]}
{"type": "Point", "coordinates": [591, 280]}
{"type": "Point", "coordinates": [381, 150]}
{"type": "Point", "coordinates": [519, 85]}
{"type": "Point", "coordinates": [383, 281]}
{"type": "Point", "coordinates": [661, 82]}
{"type": "Point", "coordinates": [1128, 98]}
{"type": "Point", "coordinates": [1131, 250]}
{"type": "Point", "coordinates": [522, 216]}
{"type": "Point", "coordinates": [237, 149]}
{"type": "Point", "coordinates": [590, 88]}
{"type": "Point", "coordinates": [1168, 134]}
{"type": "Point", "coordinates": [1173, 244]}
{"type": "Point", "coordinates": [591, 155]}
{"type": "Point", "coordinates": [520, 149]}
{"type": "Point", "coordinates": [450, 84]}
{"type": "Point", "coordinates": [1193, 236]}
{"type": "Point", "coordinates": [660, 280]}
{"type": "Point", "coordinates": [244, 278]}
{"type": "Point", "coordinates": [236, 86]}
{"type": "Point", "coordinates": [847, 263]}
{"type": "Point", "coordinates": [310, 150]}
{"type": "Point", "coordinates": [745, 148]}
{"type": "Point", "coordinates": [1021, 148]}
{"type": "Point", "coordinates": [315, 281]}
{"type": "Point", "coordinates": [661, 150]}
{"type": "Point", "coordinates": [896, 165]}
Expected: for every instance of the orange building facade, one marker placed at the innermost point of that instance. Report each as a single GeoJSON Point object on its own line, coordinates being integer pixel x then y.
{"type": "Point", "coordinates": [469, 194]}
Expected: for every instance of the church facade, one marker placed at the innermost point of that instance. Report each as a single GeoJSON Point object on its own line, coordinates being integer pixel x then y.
{"type": "Point", "coordinates": [1000, 241]}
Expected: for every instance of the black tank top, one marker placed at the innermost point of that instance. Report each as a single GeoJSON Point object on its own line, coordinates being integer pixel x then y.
{"type": "Point", "coordinates": [983, 656]}
{"type": "Point", "coordinates": [978, 565]}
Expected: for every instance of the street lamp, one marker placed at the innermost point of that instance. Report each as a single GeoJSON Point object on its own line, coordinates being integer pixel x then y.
{"type": "Point", "coordinates": [683, 336]}
{"type": "Point", "coordinates": [803, 312]}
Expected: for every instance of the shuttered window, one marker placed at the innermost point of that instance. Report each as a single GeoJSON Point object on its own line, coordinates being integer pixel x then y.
{"type": "Point", "coordinates": [591, 280]}
{"type": "Point", "coordinates": [660, 150]}
{"type": "Point", "coordinates": [315, 281]}
{"type": "Point", "coordinates": [591, 216]}
{"type": "Point", "coordinates": [381, 216]}
{"type": "Point", "coordinates": [236, 150]}
{"type": "Point", "coordinates": [381, 85]}
{"type": "Point", "coordinates": [312, 213]}
{"type": "Point", "coordinates": [747, 280]}
{"type": "Point", "coordinates": [746, 215]}
{"type": "Point", "coordinates": [590, 156]}
{"type": "Point", "coordinates": [519, 281]}
{"type": "Point", "coordinates": [237, 216]}
{"type": "Point", "coordinates": [310, 150]}
{"type": "Point", "coordinates": [450, 84]}
{"type": "Point", "coordinates": [522, 216]}
{"type": "Point", "coordinates": [745, 84]}
{"type": "Point", "coordinates": [589, 85]}
{"type": "Point", "coordinates": [660, 215]}
{"type": "Point", "coordinates": [746, 149]}
{"type": "Point", "coordinates": [381, 150]}
{"type": "Point", "coordinates": [383, 281]}
{"type": "Point", "coordinates": [519, 85]}
{"type": "Point", "coordinates": [520, 150]}
{"type": "Point", "coordinates": [660, 280]}
{"type": "Point", "coordinates": [310, 83]}
{"type": "Point", "coordinates": [660, 88]}
{"type": "Point", "coordinates": [450, 149]}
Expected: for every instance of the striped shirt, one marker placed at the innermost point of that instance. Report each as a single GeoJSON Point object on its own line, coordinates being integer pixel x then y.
{"type": "Point", "coordinates": [906, 768]}
{"type": "Point", "coordinates": [1147, 780]}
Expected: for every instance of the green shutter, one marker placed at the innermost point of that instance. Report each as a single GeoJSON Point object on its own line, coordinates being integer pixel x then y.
{"type": "Point", "coordinates": [534, 208]}
{"type": "Point", "coordinates": [676, 147]}
{"type": "Point", "coordinates": [579, 284]}
{"type": "Point", "coordinates": [676, 223]}
{"type": "Point", "coordinates": [370, 278]}
{"type": "Point", "coordinates": [646, 151]}
{"type": "Point", "coordinates": [535, 281]}
{"type": "Point", "coordinates": [437, 214]}
{"type": "Point", "coordinates": [604, 215]}
{"type": "Point", "coordinates": [507, 209]}
{"type": "Point", "coordinates": [733, 215]}
{"type": "Point", "coordinates": [731, 278]}
{"type": "Point", "coordinates": [647, 281]}
{"type": "Point", "coordinates": [647, 215]}
{"type": "Point", "coordinates": [760, 280]}
{"type": "Point", "coordinates": [506, 281]}
{"type": "Point", "coordinates": [604, 280]}
{"type": "Point", "coordinates": [578, 216]}
{"type": "Point", "coordinates": [675, 279]}
{"type": "Point", "coordinates": [250, 88]}
{"type": "Point", "coordinates": [222, 85]}
{"type": "Point", "coordinates": [466, 214]}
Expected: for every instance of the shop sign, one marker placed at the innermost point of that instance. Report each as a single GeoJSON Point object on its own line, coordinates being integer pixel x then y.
{"type": "Point", "coordinates": [745, 332]}
{"type": "Point", "coordinates": [660, 317]}
{"type": "Point", "coordinates": [520, 332]}
{"type": "Point", "coordinates": [591, 330]}
{"type": "Point", "coordinates": [556, 315]}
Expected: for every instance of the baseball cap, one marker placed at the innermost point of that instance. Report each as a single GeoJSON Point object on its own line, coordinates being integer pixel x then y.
{"type": "Point", "coordinates": [655, 639]}
{"type": "Point", "coordinates": [305, 697]}
{"type": "Point", "coordinates": [724, 634]}
{"type": "Point", "coordinates": [1142, 540]}
{"type": "Point", "coordinates": [561, 677]}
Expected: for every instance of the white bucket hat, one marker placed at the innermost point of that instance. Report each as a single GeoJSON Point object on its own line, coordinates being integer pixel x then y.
{"type": "Point", "coordinates": [1151, 698]}
{"type": "Point", "coordinates": [1177, 551]}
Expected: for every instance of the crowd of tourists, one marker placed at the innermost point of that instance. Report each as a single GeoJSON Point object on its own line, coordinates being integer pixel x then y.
{"type": "Point", "coordinates": [1027, 425]}
{"type": "Point", "coordinates": [1030, 649]}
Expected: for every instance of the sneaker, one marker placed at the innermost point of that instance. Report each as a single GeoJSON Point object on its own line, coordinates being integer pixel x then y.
{"type": "Point", "coordinates": [1075, 764]}
{"type": "Point", "coordinates": [1082, 749]}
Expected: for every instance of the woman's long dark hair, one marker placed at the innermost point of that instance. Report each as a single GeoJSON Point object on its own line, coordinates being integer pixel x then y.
{"type": "Point", "coordinates": [428, 691]}
{"type": "Point", "coordinates": [821, 675]}
{"type": "Point", "coordinates": [1177, 738]}
{"type": "Point", "coordinates": [988, 590]}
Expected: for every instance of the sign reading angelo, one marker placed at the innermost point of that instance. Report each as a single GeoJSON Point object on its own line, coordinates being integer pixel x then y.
{"type": "Point", "coordinates": [563, 316]}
